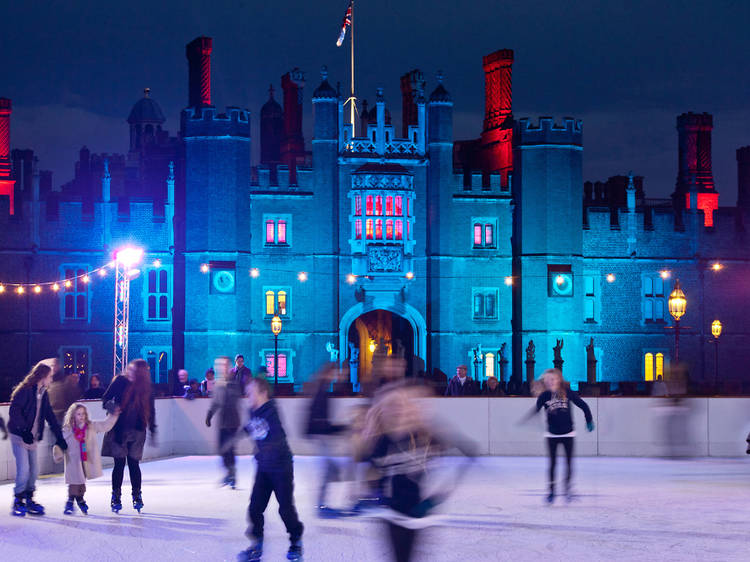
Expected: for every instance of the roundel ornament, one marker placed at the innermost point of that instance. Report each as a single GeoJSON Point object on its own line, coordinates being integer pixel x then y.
{"type": "Point", "coordinates": [562, 284]}
{"type": "Point", "coordinates": [223, 281]}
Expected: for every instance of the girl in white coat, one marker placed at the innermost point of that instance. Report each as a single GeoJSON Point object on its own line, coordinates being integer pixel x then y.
{"type": "Point", "coordinates": [82, 459]}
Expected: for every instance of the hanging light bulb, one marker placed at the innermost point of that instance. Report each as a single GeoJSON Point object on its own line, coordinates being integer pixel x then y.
{"type": "Point", "coordinates": [102, 272]}
{"type": "Point", "coordinates": [255, 273]}
{"type": "Point", "coordinates": [55, 287]}
{"type": "Point", "coordinates": [2, 288]}
{"type": "Point", "coordinates": [302, 276]}
{"type": "Point", "coordinates": [157, 262]}
{"type": "Point", "coordinates": [68, 283]}
{"type": "Point", "coordinates": [37, 289]}
{"type": "Point", "coordinates": [85, 279]}
{"type": "Point", "coordinates": [20, 290]}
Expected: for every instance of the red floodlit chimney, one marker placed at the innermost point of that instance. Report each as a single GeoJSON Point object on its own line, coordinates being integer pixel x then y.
{"type": "Point", "coordinates": [412, 87]}
{"type": "Point", "coordinates": [198, 53]}
{"type": "Point", "coordinates": [743, 178]}
{"type": "Point", "coordinates": [6, 182]}
{"type": "Point", "coordinates": [695, 177]}
{"type": "Point", "coordinates": [497, 136]}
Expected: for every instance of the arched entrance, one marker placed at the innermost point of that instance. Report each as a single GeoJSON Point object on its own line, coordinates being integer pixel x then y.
{"type": "Point", "coordinates": [365, 331]}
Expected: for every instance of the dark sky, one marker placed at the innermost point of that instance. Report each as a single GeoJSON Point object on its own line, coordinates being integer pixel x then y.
{"type": "Point", "coordinates": [74, 69]}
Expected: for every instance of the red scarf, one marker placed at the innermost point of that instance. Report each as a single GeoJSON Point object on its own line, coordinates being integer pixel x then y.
{"type": "Point", "coordinates": [80, 435]}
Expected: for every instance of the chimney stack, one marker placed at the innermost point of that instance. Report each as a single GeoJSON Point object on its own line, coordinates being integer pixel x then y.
{"type": "Point", "coordinates": [7, 184]}
{"type": "Point", "coordinates": [695, 180]}
{"type": "Point", "coordinates": [198, 53]}
{"type": "Point", "coordinates": [497, 136]}
{"type": "Point", "coordinates": [293, 146]}
{"type": "Point", "coordinates": [743, 178]}
{"type": "Point", "coordinates": [412, 87]}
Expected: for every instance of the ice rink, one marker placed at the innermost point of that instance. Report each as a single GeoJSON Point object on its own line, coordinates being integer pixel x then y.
{"type": "Point", "coordinates": [628, 509]}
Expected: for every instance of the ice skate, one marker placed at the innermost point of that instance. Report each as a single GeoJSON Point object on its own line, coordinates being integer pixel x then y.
{"type": "Point", "coordinates": [252, 554]}
{"type": "Point", "coordinates": [295, 551]}
{"type": "Point", "coordinates": [551, 496]}
{"type": "Point", "coordinates": [69, 507]}
{"type": "Point", "coordinates": [82, 505]}
{"type": "Point", "coordinates": [33, 508]}
{"type": "Point", "coordinates": [19, 508]}
{"type": "Point", "coordinates": [116, 502]}
{"type": "Point", "coordinates": [137, 501]}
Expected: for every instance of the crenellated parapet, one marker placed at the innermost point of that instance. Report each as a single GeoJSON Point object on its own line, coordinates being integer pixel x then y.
{"type": "Point", "coordinates": [204, 122]}
{"type": "Point", "coordinates": [547, 132]}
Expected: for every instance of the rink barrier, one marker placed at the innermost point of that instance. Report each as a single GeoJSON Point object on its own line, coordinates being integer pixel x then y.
{"type": "Point", "coordinates": [625, 427]}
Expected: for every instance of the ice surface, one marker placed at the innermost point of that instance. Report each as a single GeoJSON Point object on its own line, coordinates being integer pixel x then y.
{"type": "Point", "coordinates": [629, 509]}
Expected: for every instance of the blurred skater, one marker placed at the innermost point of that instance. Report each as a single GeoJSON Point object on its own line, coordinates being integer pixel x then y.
{"type": "Point", "coordinates": [82, 459]}
{"type": "Point", "coordinates": [125, 441]}
{"type": "Point", "coordinates": [556, 401]}
{"type": "Point", "coordinates": [227, 394]}
{"type": "Point", "coordinates": [274, 474]}
{"type": "Point", "coordinates": [3, 428]}
{"type": "Point", "coordinates": [29, 409]}
{"type": "Point", "coordinates": [320, 428]}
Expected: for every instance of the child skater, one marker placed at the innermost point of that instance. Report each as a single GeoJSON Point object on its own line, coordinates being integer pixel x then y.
{"type": "Point", "coordinates": [82, 459]}
{"type": "Point", "coordinates": [29, 409]}
{"type": "Point", "coordinates": [556, 401]}
{"type": "Point", "coordinates": [275, 472]}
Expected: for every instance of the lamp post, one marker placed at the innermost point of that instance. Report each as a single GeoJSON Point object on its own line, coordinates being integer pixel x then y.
{"type": "Point", "coordinates": [677, 304]}
{"type": "Point", "coordinates": [716, 332]}
{"type": "Point", "coordinates": [276, 330]}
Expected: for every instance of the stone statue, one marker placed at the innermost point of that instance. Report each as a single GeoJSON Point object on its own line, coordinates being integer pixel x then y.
{"type": "Point", "coordinates": [531, 351]}
{"type": "Point", "coordinates": [353, 353]}
{"type": "Point", "coordinates": [558, 350]}
{"type": "Point", "coordinates": [590, 355]}
{"type": "Point", "coordinates": [331, 348]}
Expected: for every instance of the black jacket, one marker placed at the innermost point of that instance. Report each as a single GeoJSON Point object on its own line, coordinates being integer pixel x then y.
{"type": "Point", "coordinates": [455, 388]}
{"type": "Point", "coordinates": [265, 428]}
{"type": "Point", "coordinates": [129, 419]}
{"type": "Point", "coordinates": [318, 420]}
{"type": "Point", "coordinates": [23, 411]}
{"type": "Point", "coordinates": [94, 393]}
{"type": "Point", "coordinates": [559, 416]}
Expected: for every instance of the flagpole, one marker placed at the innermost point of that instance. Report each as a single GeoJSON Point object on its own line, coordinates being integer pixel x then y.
{"type": "Point", "coordinates": [352, 98]}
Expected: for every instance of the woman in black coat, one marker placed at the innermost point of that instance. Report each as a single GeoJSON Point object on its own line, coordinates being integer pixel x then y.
{"type": "Point", "coordinates": [29, 409]}
{"type": "Point", "coordinates": [125, 441]}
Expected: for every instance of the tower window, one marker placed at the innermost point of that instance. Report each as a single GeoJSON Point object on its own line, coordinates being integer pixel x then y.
{"type": "Point", "coordinates": [277, 230]}
{"type": "Point", "coordinates": [358, 229]}
{"type": "Point", "coordinates": [389, 206]}
{"type": "Point", "coordinates": [369, 229]}
{"type": "Point", "coordinates": [379, 229]}
{"type": "Point", "coordinates": [158, 295]}
{"type": "Point", "coordinates": [483, 232]}
{"type": "Point", "coordinates": [378, 205]}
{"type": "Point", "coordinates": [358, 206]}
{"type": "Point", "coordinates": [399, 211]}
{"type": "Point", "coordinates": [75, 298]}
{"type": "Point", "coordinates": [270, 232]}
{"type": "Point", "coordinates": [281, 230]}
{"type": "Point", "coordinates": [399, 233]}
{"type": "Point", "coordinates": [389, 229]}
{"type": "Point", "coordinates": [369, 205]}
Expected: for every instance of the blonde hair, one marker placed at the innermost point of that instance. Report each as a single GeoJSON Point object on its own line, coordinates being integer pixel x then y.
{"type": "Point", "coordinates": [563, 383]}
{"type": "Point", "coordinates": [69, 419]}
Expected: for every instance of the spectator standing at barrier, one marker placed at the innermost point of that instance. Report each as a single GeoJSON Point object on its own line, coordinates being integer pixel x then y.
{"type": "Point", "coordinates": [95, 390]}
{"type": "Point", "coordinates": [226, 402]}
{"type": "Point", "coordinates": [461, 384]}
{"type": "Point", "coordinates": [241, 372]}
{"type": "Point", "coordinates": [63, 391]}
{"type": "Point", "coordinates": [492, 388]}
{"type": "Point", "coordinates": [208, 383]}
{"type": "Point", "coordinates": [180, 383]}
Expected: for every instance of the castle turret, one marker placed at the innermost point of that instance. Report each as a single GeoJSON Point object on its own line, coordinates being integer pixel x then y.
{"type": "Point", "coordinates": [412, 89]}
{"type": "Point", "coordinates": [271, 130]}
{"type": "Point", "coordinates": [325, 141]}
{"type": "Point", "coordinates": [440, 172]}
{"type": "Point", "coordinates": [497, 135]}
{"type": "Point", "coordinates": [695, 180]}
{"type": "Point", "coordinates": [198, 53]}
{"type": "Point", "coordinates": [145, 119]}
{"type": "Point", "coordinates": [743, 178]}
{"type": "Point", "coordinates": [7, 184]}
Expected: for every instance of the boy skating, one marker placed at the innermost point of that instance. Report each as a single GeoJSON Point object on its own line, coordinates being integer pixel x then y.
{"type": "Point", "coordinates": [275, 472]}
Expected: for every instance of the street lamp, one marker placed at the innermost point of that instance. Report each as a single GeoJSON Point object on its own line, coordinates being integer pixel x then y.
{"type": "Point", "coordinates": [716, 332]}
{"type": "Point", "coordinates": [677, 304]}
{"type": "Point", "coordinates": [275, 330]}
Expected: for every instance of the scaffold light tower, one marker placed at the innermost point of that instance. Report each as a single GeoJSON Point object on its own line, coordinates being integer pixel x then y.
{"type": "Point", "coordinates": [125, 261]}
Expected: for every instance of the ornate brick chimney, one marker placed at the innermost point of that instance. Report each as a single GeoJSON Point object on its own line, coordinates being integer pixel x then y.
{"type": "Point", "coordinates": [198, 53]}
{"type": "Point", "coordinates": [497, 135]}
{"type": "Point", "coordinates": [7, 183]}
{"type": "Point", "coordinates": [695, 180]}
{"type": "Point", "coordinates": [412, 87]}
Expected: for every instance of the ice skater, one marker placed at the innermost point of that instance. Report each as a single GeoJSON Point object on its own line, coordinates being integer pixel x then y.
{"type": "Point", "coordinates": [275, 472]}
{"type": "Point", "coordinates": [125, 441]}
{"type": "Point", "coordinates": [82, 459]}
{"type": "Point", "coordinates": [556, 401]}
{"type": "Point", "coordinates": [29, 409]}
{"type": "Point", "coordinates": [227, 394]}
{"type": "Point", "coordinates": [3, 429]}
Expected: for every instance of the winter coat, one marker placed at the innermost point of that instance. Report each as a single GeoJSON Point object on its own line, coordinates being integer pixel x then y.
{"type": "Point", "coordinates": [94, 393]}
{"type": "Point", "coordinates": [129, 419]}
{"type": "Point", "coordinates": [23, 411]}
{"type": "Point", "coordinates": [270, 439]}
{"type": "Point", "coordinates": [318, 421]}
{"type": "Point", "coordinates": [62, 394]}
{"type": "Point", "coordinates": [226, 401]}
{"type": "Point", "coordinates": [74, 468]}
{"type": "Point", "coordinates": [242, 376]}
{"type": "Point", "coordinates": [487, 391]}
{"type": "Point", "coordinates": [455, 388]}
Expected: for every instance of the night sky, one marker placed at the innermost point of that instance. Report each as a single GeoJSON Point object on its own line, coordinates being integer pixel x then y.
{"type": "Point", "coordinates": [74, 69]}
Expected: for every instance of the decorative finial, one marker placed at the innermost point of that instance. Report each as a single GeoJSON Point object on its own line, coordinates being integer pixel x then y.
{"type": "Point", "coordinates": [323, 73]}
{"type": "Point", "coordinates": [106, 168]}
{"type": "Point", "coordinates": [380, 94]}
{"type": "Point", "coordinates": [147, 92]}
{"type": "Point", "coordinates": [631, 185]}
{"type": "Point", "coordinates": [270, 91]}
{"type": "Point", "coordinates": [171, 171]}
{"type": "Point", "coordinates": [439, 76]}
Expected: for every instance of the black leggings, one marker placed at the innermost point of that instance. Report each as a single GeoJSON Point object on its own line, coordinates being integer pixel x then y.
{"type": "Point", "coordinates": [402, 541]}
{"type": "Point", "coordinates": [567, 443]}
{"type": "Point", "coordinates": [119, 471]}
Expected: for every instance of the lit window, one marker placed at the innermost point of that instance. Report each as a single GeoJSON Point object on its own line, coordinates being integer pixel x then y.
{"type": "Point", "coordinates": [649, 366]}
{"type": "Point", "coordinates": [277, 301]}
{"type": "Point", "coordinates": [408, 228]}
{"type": "Point", "coordinates": [379, 229]}
{"type": "Point", "coordinates": [408, 207]}
{"type": "Point", "coordinates": [158, 295]}
{"type": "Point", "coordinates": [158, 362]}
{"type": "Point", "coordinates": [489, 364]}
{"type": "Point", "coordinates": [270, 234]}
{"type": "Point", "coordinates": [378, 205]}
{"type": "Point", "coordinates": [75, 296]}
{"type": "Point", "coordinates": [659, 366]}
{"type": "Point", "coordinates": [270, 303]}
{"type": "Point", "coordinates": [358, 205]}
{"type": "Point", "coordinates": [477, 234]}
{"type": "Point", "coordinates": [653, 366]}
{"type": "Point", "coordinates": [488, 238]}
{"type": "Point", "coordinates": [399, 233]}
{"type": "Point", "coordinates": [369, 205]}
{"type": "Point", "coordinates": [389, 206]}
{"type": "Point", "coordinates": [483, 233]}
{"type": "Point", "coordinates": [369, 229]}
{"type": "Point", "coordinates": [281, 300]}
{"type": "Point", "coordinates": [281, 358]}
{"type": "Point", "coordinates": [76, 360]}
{"type": "Point", "coordinates": [282, 232]}
{"type": "Point", "coordinates": [358, 229]}
{"type": "Point", "coordinates": [398, 206]}
{"type": "Point", "coordinates": [389, 229]}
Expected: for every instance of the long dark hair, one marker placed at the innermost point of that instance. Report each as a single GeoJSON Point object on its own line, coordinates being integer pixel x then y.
{"type": "Point", "coordinates": [137, 394]}
{"type": "Point", "coordinates": [38, 372]}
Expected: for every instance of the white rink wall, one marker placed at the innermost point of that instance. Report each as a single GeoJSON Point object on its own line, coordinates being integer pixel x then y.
{"type": "Point", "coordinates": [625, 427]}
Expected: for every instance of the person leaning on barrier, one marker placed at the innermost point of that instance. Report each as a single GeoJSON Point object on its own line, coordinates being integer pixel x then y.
{"type": "Point", "coordinates": [492, 388]}
{"type": "Point", "coordinates": [461, 384]}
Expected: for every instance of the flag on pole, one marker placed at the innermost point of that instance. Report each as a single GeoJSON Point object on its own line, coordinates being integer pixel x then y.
{"type": "Point", "coordinates": [344, 24]}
